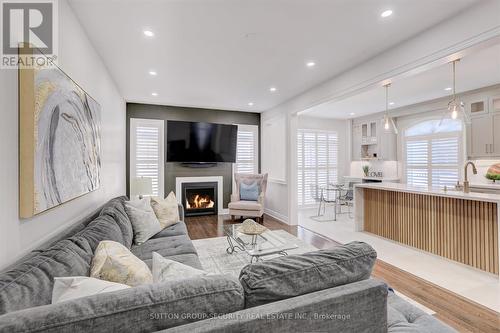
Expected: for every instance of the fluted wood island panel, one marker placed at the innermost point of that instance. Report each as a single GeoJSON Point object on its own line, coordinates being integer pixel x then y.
{"type": "Point", "coordinates": [458, 229]}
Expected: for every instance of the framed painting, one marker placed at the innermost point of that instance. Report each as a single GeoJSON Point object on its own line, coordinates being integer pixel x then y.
{"type": "Point", "coordinates": [59, 140]}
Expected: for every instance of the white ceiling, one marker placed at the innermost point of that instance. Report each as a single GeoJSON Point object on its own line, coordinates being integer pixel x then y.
{"type": "Point", "coordinates": [477, 70]}
{"type": "Point", "coordinates": [226, 53]}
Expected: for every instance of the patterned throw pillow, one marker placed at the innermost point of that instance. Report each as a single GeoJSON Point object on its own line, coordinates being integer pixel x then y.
{"type": "Point", "coordinates": [168, 270]}
{"type": "Point", "coordinates": [71, 287]}
{"type": "Point", "coordinates": [114, 262]}
{"type": "Point", "coordinates": [166, 210]}
{"type": "Point", "coordinates": [249, 192]}
{"type": "Point", "coordinates": [143, 218]}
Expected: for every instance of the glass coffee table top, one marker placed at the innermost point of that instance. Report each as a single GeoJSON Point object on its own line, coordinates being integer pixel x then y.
{"type": "Point", "coordinates": [266, 243]}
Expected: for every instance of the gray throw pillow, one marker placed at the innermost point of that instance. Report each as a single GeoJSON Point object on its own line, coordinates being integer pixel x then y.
{"type": "Point", "coordinates": [144, 221]}
{"type": "Point", "coordinates": [289, 276]}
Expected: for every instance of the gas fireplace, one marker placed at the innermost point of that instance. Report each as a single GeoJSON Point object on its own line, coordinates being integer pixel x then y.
{"type": "Point", "coordinates": [199, 198]}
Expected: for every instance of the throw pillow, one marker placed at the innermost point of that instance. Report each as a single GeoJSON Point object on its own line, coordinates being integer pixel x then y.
{"type": "Point", "coordinates": [71, 287]}
{"type": "Point", "coordinates": [166, 210]}
{"type": "Point", "coordinates": [249, 192]}
{"type": "Point", "coordinates": [168, 270]}
{"type": "Point", "coordinates": [289, 276]}
{"type": "Point", "coordinates": [143, 218]}
{"type": "Point", "coordinates": [114, 262]}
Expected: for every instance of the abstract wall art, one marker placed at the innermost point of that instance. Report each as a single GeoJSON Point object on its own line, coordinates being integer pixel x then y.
{"type": "Point", "coordinates": [59, 140]}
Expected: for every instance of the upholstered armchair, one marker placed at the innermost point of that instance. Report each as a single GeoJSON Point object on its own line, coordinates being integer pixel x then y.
{"type": "Point", "coordinates": [248, 208]}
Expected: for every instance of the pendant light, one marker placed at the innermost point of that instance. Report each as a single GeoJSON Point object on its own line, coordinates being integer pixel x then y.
{"type": "Point", "coordinates": [455, 106]}
{"type": "Point", "coordinates": [388, 121]}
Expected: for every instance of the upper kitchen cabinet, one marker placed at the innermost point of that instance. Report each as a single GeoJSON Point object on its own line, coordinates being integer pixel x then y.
{"type": "Point", "coordinates": [371, 142]}
{"type": "Point", "coordinates": [495, 104]}
{"type": "Point", "coordinates": [483, 132]}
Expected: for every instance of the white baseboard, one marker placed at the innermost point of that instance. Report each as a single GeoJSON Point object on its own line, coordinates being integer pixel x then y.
{"type": "Point", "coordinates": [278, 216]}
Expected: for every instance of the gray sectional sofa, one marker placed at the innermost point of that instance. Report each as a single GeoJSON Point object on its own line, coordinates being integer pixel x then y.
{"type": "Point", "coordinates": [213, 303]}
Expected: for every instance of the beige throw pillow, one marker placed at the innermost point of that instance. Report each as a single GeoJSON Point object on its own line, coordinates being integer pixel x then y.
{"type": "Point", "coordinates": [169, 270]}
{"type": "Point", "coordinates": [166, 210]}
{"type": "Point", "coordinates": [71, 287]}
{"type": "Point", "coordinates": [114, 262]}
{"type": "Point", "coordinates": [143, 219]}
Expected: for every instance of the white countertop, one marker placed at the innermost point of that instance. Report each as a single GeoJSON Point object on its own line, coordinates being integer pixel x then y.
{"type": "Point", "coordinates": [388, 179]}
{"type": "Point", "coordinates": [451, 193]}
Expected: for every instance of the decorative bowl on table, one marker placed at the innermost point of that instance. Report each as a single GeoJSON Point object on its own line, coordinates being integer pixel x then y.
{"type": "Point", "coordinates": [493, 172]}
{"type": "Point", "coordinates": [250, 227]}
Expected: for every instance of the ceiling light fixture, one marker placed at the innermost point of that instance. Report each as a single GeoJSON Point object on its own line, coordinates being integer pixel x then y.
{"type": "Point", "coordinates": [148, 33]}
{"type": "Point", "coordinates": [153, 73]}
{"type": "Point", "coordinates": [455, 106]}
{"type": "Point", "coordinates": [388, 121]}
{"type": "Point", "coordinates": [352, 114]}
{"type": "Point", "coordinates": [272, 89]}
{"type": "Point", "coordinates": [250, 104]}
{"type": "Point", "coordinates": [391, 103]}
{"type": "Point", "coordinates": [386, 13]}
{"type": "Point", "coordinates": [311, 64]}
{"type": "Point", "coordinates": [154, 94]}
{"type": "Point", "coordinates": [448, 89]}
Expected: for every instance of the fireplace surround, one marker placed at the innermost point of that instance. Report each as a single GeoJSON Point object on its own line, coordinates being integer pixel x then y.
{"type": "Point", "coordinates": [216, 182]}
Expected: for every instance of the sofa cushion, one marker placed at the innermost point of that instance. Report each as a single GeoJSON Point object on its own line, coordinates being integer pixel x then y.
{"type": "Point", "coordinates": [144, 221]}
{"type": "Point", "coordinates": [165, 269]}
{"type": "Point", "coordinates": [147, 308]}
{"type": "Point", "coordinates": [30, 283]}
{"type": "Point", "coordinates": [245, 205]}
{"type": "Point", "coordinates": [116, 209]}
{"type": "Point", "coordinates": [174, 230]}
{"type": "Point", "coordinates": [295, 275]}
{"type": "Point", "coordinates": [102, 228]}
{"type": "Point", "coordinates": [165, 246]}
{"type": "Point", "coordinates": [72, 287]}
{"type": "Point", "coordinates": [403, 317]}
{"type": "Point", "coordinates": [115, 263]}
{"type": "Point", "coordinates": [189, 259]}
{"type": "Point", "coordinates": [166, 210]}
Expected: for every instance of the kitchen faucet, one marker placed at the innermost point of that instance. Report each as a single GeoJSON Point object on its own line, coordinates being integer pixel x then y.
{"type": "Point", "coordinates": [466, 181]}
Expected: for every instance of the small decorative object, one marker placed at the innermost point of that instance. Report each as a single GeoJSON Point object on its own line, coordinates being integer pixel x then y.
{"type": "Point", "coordinates": [366, 170]}
{"type": "Point", "coordinates": [493, 172]}
{"type": "Point", "coordinates": [59, 139]}
{"type": "Point", "coordinates": [250, 227]}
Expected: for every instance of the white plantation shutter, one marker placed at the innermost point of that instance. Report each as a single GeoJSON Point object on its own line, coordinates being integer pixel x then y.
{"type": "Point", "coordinates": [317, 155]}
{"type": "Point", "coordinates": [434, 159]}
{"type": "Point", "coordinates": [247, 149]}
{"type": "Point", "coordinates": [147, 152]}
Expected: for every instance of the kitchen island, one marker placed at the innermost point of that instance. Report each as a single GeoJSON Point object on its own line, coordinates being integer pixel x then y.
{"type": "Point", "coordinates": [458, 226]}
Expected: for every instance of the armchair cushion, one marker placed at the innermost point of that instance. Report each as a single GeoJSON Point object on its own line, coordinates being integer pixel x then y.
{"type": "Point", "coordinates": [245, 205]}
{"type": "Point", "coordinates": [249, 192]}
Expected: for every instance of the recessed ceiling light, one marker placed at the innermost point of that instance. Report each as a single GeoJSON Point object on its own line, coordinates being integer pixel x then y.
{"type": "Point", "coordinates": [154, 94]}
{"type": "Point", "coordinates": [148, 33]}
{"type": "Point", "coordinates": [310, 64]}
{"type": "Point", "coordinates": [447, 89]}
{"type": "Point", "coordinates": [386, 13]}
{"type": "Point", "coordinates": [272, 89]}
{"type": "Point", "coordinates": [250, 104]}
{"type": "Point", "coordinates": [392, 103]}
{"type": "Point", "coordinates": [352, 114]}
{"type": "Point", "coordinates": [153, 73]}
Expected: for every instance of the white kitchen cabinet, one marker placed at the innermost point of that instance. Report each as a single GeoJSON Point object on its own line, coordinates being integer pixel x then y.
{"type": "Point", "coordinates": [356, 142]}
{"type": "Point", "coordinates": [495, 103]}
{"type": "Point", "coordinates": [369, 139]}
{"type": "Point", "coordinates": [480, 137]}
{"type": "Point", "coordinates": [496, 135]}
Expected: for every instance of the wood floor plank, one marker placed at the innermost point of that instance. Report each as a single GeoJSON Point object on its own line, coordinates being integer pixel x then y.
{"type": "Point", "coordinates": [455, 310]}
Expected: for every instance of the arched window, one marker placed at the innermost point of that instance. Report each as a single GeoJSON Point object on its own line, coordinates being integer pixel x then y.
{"type": "Point", "coordinates": [433, 153]}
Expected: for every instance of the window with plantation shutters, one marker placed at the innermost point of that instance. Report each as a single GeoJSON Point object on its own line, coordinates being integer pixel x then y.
{"type": "Point", "coordinates": [147, 152]}
{"type": "Point", "coordinates": [317, 161]}
{"type": "Point", "coordinates": [433, 151]}
{"type": "Point", "coordinates": [247, 149]}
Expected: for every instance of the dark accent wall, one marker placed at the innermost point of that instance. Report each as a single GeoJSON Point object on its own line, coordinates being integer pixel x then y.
{"type": "Point", "coordinates": [172, 170]}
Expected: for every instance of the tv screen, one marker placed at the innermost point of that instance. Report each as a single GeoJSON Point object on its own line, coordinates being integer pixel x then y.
{"type": "Point", "coordinates": [201, 142]}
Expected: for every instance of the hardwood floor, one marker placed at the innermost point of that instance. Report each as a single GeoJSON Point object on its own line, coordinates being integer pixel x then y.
{"type": "Point", "coordinates": [455, 310]}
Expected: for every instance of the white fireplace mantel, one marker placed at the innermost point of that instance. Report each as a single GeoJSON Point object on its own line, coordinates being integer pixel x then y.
{"type": "Point", "coordinates": [220, 195]}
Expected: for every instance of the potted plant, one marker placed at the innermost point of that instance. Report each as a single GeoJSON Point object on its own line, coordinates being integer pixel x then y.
{"type": "Point", "coordinates": [492, 176]}
{"type": "Point", "coordinates": [366, 170]}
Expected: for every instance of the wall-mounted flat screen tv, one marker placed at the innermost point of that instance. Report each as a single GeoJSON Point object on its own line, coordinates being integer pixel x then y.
{"type": "Point", "coordinates": [191, 142]}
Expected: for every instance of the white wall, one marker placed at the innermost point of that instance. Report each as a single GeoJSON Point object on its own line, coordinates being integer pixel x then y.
{"type": "Point", "coordinates": [79, 60]}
